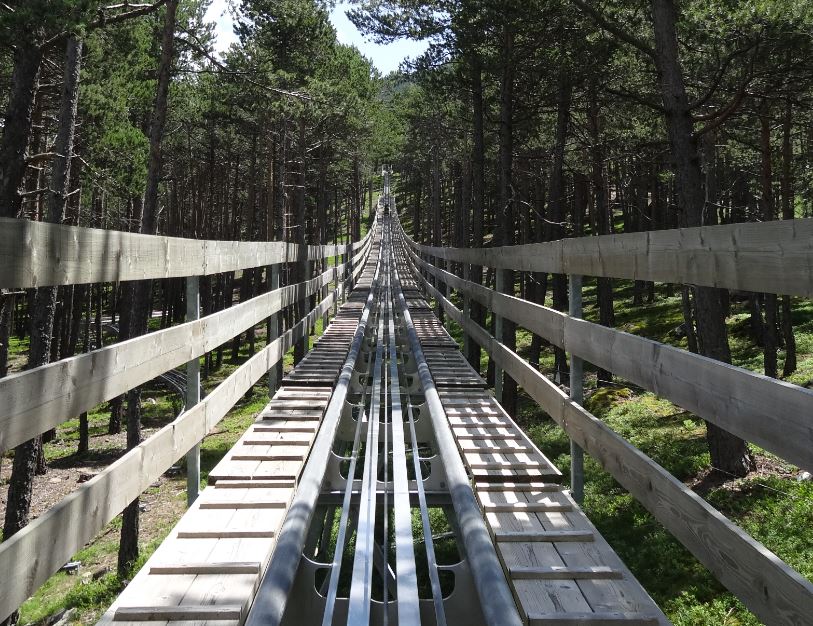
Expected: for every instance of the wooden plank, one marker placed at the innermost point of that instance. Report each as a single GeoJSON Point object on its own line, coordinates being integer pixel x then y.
{"type": "Point", "coordinates": [593, 619]}
{"type": "Point", "coordinates": [177, 613]}
{"type": "Point", "coordinates": [286, 428]}
{"type": "Point", "coordinates": [266, 442]}
{"type": "Point", "coordinates": [543, 535]}
{"type": "Point", "coordinates": [245, 567]}
{"type": "Point", "coordinates": [562, 572]}
{"type": "Point", "coordinates": [280, 456]}
{"type": "Point", "coordinates": [511, 465]}
{"type": "Point", "coordinates": [38, 254]}
{"type": "Point", "coordinates": [253, 484]}
{"type": "Point", "coordinates": [526, 507]}
{"type": "Point", "coordinates": [771, 257]}
{"type": "Point", "coordinates": [519, 487]}
{"type": "Point", "coordinates": [250, 504]}
{"type": "Point", "coordinates": [227, 533]}
{"type": "Point", "coordinates": [735, 558]}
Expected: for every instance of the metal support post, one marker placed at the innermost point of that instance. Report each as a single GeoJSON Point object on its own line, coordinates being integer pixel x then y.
{"type": "Point", "coordinates": [309, 328]}
{"type": "Point", "coordinates": [273, 373]}
{"type": "Point", "coordinates": [576, 391]}
{"type": "Point", "coordinates": [349, 261]}
{"type": "Point", "coordinates": [336, 287]}
{"type": "Point", "coordinates": [500, 287]}
{"type": "Point", "coordinates": [192, 392]}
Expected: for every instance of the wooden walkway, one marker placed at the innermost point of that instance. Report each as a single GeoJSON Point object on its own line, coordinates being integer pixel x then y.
{"type": "Point", "coordinates": [557, 566]}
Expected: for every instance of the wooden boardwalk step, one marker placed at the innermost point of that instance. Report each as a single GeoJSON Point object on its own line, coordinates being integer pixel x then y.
{"type": "Point", "coordinates": [245, 504]}
{"type": "Point", "coordinates": [226, 483]}
{"type": "Point", "coordinates": [542, 535]}
{"type": "Point", "coordinates": [592, 619]}
{"type": "Point", "coordinates": [501, 450]}
{"type": "Point", "coordinates": [236, 533]}
{"type": "Point", "coordinates": [285, 428]}
{"type": "Point", "coordinates": [563, 572]}
{"type": "Point", "coordinates": [235, 567]}
{"type": "Point", "coordinates": [280, 456]}
{"type": "Point", "coordinates": [512, 486]}
{"type": "Point", "coordinates": [206, 612]}
{"type": "Point", "coordinates": [529, 507]}
{"type": "Point", "coordinates": [272, 442]}
{"type": "Point", "coordinates": [511, 465]}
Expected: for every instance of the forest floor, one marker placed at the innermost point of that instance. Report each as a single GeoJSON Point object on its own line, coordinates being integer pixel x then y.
{"type": "Point", "coordinates": [771, 503]}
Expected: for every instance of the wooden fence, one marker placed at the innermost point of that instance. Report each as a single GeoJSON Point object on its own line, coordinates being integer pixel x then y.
{"type": "Point", "coordinates": [38, 254]}
{"type": "Point", "coordinates": [771, 257]}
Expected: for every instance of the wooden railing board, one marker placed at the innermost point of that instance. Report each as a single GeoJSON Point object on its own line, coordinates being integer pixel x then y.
{"type": "Point", "coordinates": [770, 257]}
{"type": "Point", "coordinates": [39, 254]}
{"type": "Point", "coordinates": [770, 588]}
{"type": "Point", "coordinates": [47, 543]}
{"type": "Point", "coordinates": [771, 413]}
{"type": "Point", "coordinates": [41, 398]}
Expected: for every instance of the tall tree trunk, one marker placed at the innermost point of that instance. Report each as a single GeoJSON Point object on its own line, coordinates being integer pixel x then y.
{"type": "Point", "coordinates": [6, 308]}
{"type": "Point", "coordinates": [788, 202]}
{"type": "Point", "coordinates": [28, 454]}
{"type": "Point", "coordinates": [301, 266]}
{"type": "Point", "coordinates": [557, 201]}
{"type": "Point", "coordinates": [603, 217]}
{"type": "Point", "coordinates": [504, 231]}
{"type": "Point", "coordinates": [17, 124]}
{"type": "Point", "coordinates": [142, 290]}
{"type": "Point", "coordinates": [437, 221]}
{"type": "Point", "coordinates": [770, 329]}
{"type": "Point", "coordinates": [729, 453]}
{"type": "Point", "coordinates": [478, 178]}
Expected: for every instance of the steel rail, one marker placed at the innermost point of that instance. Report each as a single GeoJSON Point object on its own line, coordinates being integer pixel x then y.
{"type": "Point", "coordinates": [338, 552]}
{"type": "Point", "coordinates": [406, 571]}
{"type": "Point", "coordinates": [358, 610]}
{"type": "Point", "coordinates": [432, 563]}
{"type": "Point", "coordinates": [496, 600]}
{"type": "Point", "coordinates": [269, 604]}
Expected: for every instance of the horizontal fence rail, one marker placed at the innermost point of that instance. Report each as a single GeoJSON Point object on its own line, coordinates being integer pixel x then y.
{"type": "Point", "coordinates": [770, 588]}
{"type": "Point", "coordinates": [770, 257]}
{"type": "Point", "coordinates": [41, 398]}
{"type": "Point", "coordinates": [39, 254]}
{"type": "Point", "coordinates": [771, 413]}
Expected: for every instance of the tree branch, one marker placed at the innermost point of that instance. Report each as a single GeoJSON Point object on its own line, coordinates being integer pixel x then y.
{"type": "Point", "coordinates": [103, 20]}
{"type": "Point", "coordinates": [200, 49]}
{"type": "Point", "coordinates": [719, 76]}
{"type": "Point", "coordinates": [613, 28]}
{"type": "Point", "coordinates": [635, 98]}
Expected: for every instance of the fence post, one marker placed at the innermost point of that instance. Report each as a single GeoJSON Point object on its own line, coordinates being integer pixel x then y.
{"type": "Point", "coordinates": [500, 287]}
{"type": "Point", "coordinates": [576, 391]}
{"type": "Point", "coordinates": [192, 392]}
{"type": "Point", "coordinates": [273, 325]}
